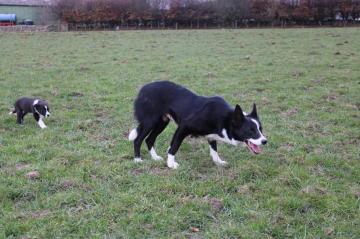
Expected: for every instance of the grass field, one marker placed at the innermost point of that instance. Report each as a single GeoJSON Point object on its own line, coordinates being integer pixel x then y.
{"type": "Point", "coordinates": [304, 184]}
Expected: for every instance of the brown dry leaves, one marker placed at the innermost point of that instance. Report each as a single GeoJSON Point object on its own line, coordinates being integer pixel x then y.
{"type": "Point", "coordinates": [194, 229]}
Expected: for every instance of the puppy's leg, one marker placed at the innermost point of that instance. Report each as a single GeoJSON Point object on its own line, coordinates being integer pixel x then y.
{"type": "Point", "coordinates": [23, 115]}
{"type": "Point", "coordinates": [39, 120]}
{"type": "Point", "coordinates": [150, 140]}
{"type": "Point", "coordinates": [214, 154]}
{"type": "Point", "coordinates": [179, 136]}
{"type": "Point", "coordinates": [19, 116]}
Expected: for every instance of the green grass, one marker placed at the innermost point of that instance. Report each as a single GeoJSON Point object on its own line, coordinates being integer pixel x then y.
{"type": "Point", "coordinates": [304, 184]}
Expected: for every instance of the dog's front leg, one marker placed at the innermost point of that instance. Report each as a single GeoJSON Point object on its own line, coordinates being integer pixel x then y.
{"type": "Point", "coordinates": [39, 120]}
{"type": "Point", "coordinates": [214, 154]}
{"type": "Point", "coordinates": [179, 136]}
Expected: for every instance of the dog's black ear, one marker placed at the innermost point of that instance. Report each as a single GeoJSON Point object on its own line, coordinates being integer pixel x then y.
{"type": "Point", "coordinates": [238, 117]}
{"type": "Point", "coordinates": [253, 113]}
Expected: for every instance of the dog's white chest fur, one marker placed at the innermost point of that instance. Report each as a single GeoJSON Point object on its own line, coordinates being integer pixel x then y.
{"type": "Point", "coordinates": [225, 139]}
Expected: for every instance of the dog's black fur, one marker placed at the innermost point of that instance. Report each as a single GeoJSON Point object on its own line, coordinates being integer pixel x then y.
{"type": "Point", "coordinates": [158, 102]}
{"type": "Point", "coordinates": [35, 106]}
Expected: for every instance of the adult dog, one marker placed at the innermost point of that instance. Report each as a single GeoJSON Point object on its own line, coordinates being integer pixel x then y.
{"type": "Point", "coordinates": [212, 117]}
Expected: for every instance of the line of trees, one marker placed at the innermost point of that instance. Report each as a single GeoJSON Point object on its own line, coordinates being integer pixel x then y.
{"type": "Point", "coordinates": [206, 13]}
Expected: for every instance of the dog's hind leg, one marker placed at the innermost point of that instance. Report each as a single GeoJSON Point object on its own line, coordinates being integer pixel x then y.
{"type": "Point", "coordinates": [19, 116]}
{"type": "Point", "coordinates": [23, 115]}
{"type": "Point", "coordinates": [142, 131]}
{"type": "Point", "coordinates": [150, 140]}
{"type": "Point", "coordinates": [214, 154]}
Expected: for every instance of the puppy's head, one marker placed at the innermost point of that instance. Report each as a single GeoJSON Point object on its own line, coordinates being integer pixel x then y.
{"type": "Point", "coordinates": [247, 128]}
{"type": "Point", "coordinates": [42, 108]}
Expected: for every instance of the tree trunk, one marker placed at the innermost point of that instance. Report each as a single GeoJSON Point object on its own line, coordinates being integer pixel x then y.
{"type": "Point", "coordinates": [176, 25]}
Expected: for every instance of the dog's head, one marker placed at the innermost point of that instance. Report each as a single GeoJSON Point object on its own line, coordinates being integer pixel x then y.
{"type": "Point", "coordinates": [247, 128]}
{"type": "Point", "coordinates": [42, 108]}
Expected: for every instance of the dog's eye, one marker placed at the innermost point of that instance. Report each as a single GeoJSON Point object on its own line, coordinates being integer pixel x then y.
{"type": "Point", "coordinates": [250, 131]}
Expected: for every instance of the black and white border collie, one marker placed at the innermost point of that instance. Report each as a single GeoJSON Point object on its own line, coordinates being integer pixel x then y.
{"type": "Point", "coordinates": [35, 106]}
{"type": "Point", "coordinates": [212, 117]}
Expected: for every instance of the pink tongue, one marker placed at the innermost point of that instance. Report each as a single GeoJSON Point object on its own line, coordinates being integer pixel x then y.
{"type": "Point", "coordinates": [254, 147]}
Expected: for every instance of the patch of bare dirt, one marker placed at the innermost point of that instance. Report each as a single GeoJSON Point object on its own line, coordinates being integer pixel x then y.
{"type": "Point", "coordinates": [216, 204]}
{"type": "Point", "coordinates": [241, 95]}
{"type": "Point", "coordinates": [288, 146]}
{"type": "Point", "coordinates": [66, 183]}
{"type": "Point", "coordinates": [33, 175]}
{"type": "Point", "coordinates": [295, 73]}
{"type": "Point", "coordinates": [290, 112]}
{"type": "Point", "coordinates": [161, 171]}
{"type": "Point", "coordinates": [20, 166]}
{"type": "Point", "coordinates": [338, 144]}
{"type": "Point", "coordinates": [211, 75]}
{"type": "Point", "coordinates": [42, 214]}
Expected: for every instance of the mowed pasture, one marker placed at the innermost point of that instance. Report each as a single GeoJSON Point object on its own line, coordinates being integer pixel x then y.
{"type": "Point", "coordinates": [305, 183]}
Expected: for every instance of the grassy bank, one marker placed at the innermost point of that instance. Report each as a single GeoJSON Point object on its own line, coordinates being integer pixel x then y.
{"type": "Point", "coordinates": [304, 184]}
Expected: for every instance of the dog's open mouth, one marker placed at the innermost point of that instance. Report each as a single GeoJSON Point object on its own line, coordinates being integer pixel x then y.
{"type": "Point", "coordinates": [253, 148]}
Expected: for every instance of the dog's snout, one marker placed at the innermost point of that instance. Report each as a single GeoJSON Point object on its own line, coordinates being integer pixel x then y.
{"type": "Point", "coordinates": [264, 141]}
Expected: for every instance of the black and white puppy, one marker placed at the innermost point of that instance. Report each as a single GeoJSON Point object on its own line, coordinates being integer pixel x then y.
{"type": "Point", "coordinates": [35, 106]}
{"type": "Point", "coordinates": [212, 117]}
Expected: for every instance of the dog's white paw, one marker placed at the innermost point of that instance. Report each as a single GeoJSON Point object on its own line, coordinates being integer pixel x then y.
{"type": "Point", "coordinates": [216, 157]}
{"type": "Point", "coordinates": [41, 124]}
{"type": "Point", "coordinates": [171, 162]}
{"type": "Point", "coordinates": [220, 162]}
{"type": "Point", "coordinates": [173, 165]}
{"type": "Point", "coordinates": [157, 158]}
{"type": "Point", "coordinates": [154, 155]}
{"type": "Point", "coordinates": [137, 160]}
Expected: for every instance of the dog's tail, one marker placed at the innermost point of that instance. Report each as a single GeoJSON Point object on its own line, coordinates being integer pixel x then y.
{"type": "Point", "coordinates": [133, 134]}
{"type": "Point", "coordinates": [12, 112]}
